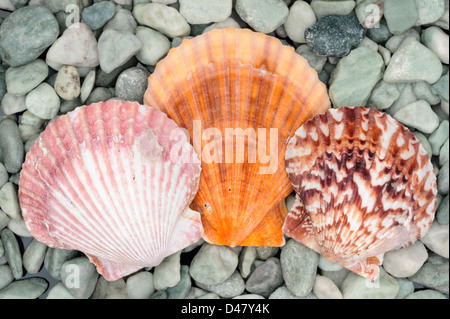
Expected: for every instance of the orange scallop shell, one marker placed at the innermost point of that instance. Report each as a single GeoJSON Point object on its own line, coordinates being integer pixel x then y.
{"type": "Point", "coordinates": [364, 185]}
{"type": "Point", "coordinates": [238, 79]}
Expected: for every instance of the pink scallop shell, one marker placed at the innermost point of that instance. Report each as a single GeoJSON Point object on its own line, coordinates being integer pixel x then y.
{"type": "Point", "coordinates": [103, 180]}
{"type": "Point", "coordinates": [364, 185]}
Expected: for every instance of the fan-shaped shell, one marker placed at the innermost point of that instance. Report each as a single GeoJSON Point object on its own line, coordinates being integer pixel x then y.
{"type": "Point", "coordinates": [101, 180]}
{"type": "Point", "coordinates": [253, 86]}
{"type": "Point", "coordinates": [364, 185]}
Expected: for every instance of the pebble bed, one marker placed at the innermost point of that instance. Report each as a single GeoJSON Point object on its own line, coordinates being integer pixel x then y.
{"type": "Point", "coordinates": [391, 55]}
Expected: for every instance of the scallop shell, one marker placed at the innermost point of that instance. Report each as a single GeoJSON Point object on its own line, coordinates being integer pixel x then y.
{"type": "Point", "coordinates": [101, 180]}
{"type": "Point", "coordinates": [236, 79]}
{"type": "Point", "coordinates": [364, 185]}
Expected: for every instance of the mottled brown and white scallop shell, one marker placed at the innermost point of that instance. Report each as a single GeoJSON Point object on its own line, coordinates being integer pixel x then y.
{"type": "Point", "coordinates": [103, 180]}
{"type": "Point", "coordinates": [364, 185]}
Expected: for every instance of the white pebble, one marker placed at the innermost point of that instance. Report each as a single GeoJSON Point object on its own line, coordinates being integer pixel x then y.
{"type": "Point", "coordinates": [324, 288]}
{"type": "Point", "coordinates": [67, 84]}
{"type": "Point", "coordinates": [301, 16]}
{"type": "Point", "coordinates": [405, 262]}
{"type": "Point", "coordinates": [43, 102]}
{"type": "Point", "coordinates": [436, 239]}
{"type": "Point", "coordinates": [418, 115]}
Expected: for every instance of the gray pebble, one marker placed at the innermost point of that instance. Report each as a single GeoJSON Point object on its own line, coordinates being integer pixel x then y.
{"type": "Point", "coordinates": [11, 146]}
{"type": "Point", "coordinates": [231, 287]}
{"type": "Point", "coordinates": [12, 252]}
{"type": "Point", "coordinates": [160, 294]}
{"type": "Point", "coordinates": [104, 289]}
{"type": "Point", "coordinates": [99, 94]}
{"type": "Point", "coordinates": [439, 136]}
{"type": "Point", "coordinates": [443, 179]}
{"type": "Point", "coordinates": [358, 287]}
{"type": "Point", "coordinates": [3, 175]}
{"type": "Point", "coordinates": [55, 258]}
{"type": "Point", "coordinates": [246, 259]}
{"type": "Point", "coordinates": [34, 255]}
{"type": "Point", "coordinates": [406, 287]}
{"type": "Point", "coordinates": [444, 153]}
{"type": "Point", "coordinates": [131, 84]}
{"type": "Point", "coordinates": [265, 278]}
{"type": "Point", "coordinates": [140, 285]}
{"type": "Point", "coordinates": [284, 293]}
{"type": "Point", "coordinates": [98, 14]}
{"type": "Point", "coordinates": [43, 102]}
{"type": "Point", "coordinates": [30, 288]}
{"type": "Point", "coordinates": [213, 264]}
{"type": "Point", "coordinates": [22, 79]}
{"type": "Point", "coordinates": [167, 273]}
{"type": "Point", "coordinates": [426, 294]}
{"type": "Point", "coordinates": [9, 201]}
{"type": "Point", "coordinates": [433, 274]}
{"type": "Point", "coordinates": [79, 276]}
{"type": "Point", "coordinates": [6, 276]}
{"type": "Point", "coordinates": [262, 15]}
{"type": "Point", "coordinates": [4, 219]}
{"type": "Point", "coordinates": [265, 252]}
{"type": "Point", "coordinates": [181, 289]}
{"type": "Point", "coordinates": [59, 291]}
{"type": "Point", "coordinates": [443, 212]}
{"type": "Point", "coordinates": [13, 104]}
{"type": "Point", "coordinates": [299, 267]}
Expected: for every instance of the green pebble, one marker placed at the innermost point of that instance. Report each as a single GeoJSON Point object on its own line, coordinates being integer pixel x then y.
{"type": "Point", "coordinates": [383, 95]}
{"type": "Point", "coordinates": [12, 252]}
{"type": "Point", "coordinates": [98, 14]}
{"type": "Point", "coordinates": [443, 212]}
{"type": "Point", "coordinates": [160, 294]}
{"type": "Point", "coordinates": [355, 77]}
{"type": "Point", "coordinates": [55, 258]}
{"type": "Point", "coordinates": [22, 79]}
{"type": "Point", "coordinates": [429, 11]}
{"type": "Point", "coordinates": [380, 34]}
{"type": "Point", "coordinates": [441, 87]}
{"type": "Point", "coordinates": [80, 277]}
{"type": "Point", "coordinates": [167, 273]}
{"type": "Point", "coordinates": [443, 179]}
{"type": "Point", "coordinates": [315, 61]}
{"type": "Point", "coordinates": [326, 8]}
{"type": "Point", "coordinates": [30, 288]}
{"type": "Point", "coordinates": [433, 274]}
{"type": "Point", "coordinates": [11, 146]}
{"type": "Point", "coordinates": [26, 34]}
{"type": "Point", "coordinates": [9, 201]}
{"type": "Point", "coordinates": [2, 81]}
{"type": "Point", "coordinates": [358, 287]}
{"type": "Point", "coordinates": [444, 153]}
{"type": "Point", "coordinates": [400, 15]}
{"type": "Point", "coordinates": [424, 141]}
{"type": "Point", "coordinates": [4, 219]}
{"type": "Point", "coordinates": [33, 256]}
{"type": "Point", "coordinates": [6, 276]}
{"type": "Point", "coordinates": [406, 287]}
{"type": "Point", "coordinates": [262, 15]}
{"type": "Point", "coordinates": [423, 91]}
{"type": "Point", "coordinates": [181, 289]}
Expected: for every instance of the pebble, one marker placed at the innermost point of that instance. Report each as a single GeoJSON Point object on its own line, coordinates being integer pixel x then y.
{"type": "Point", "coordinates": [30, 288]}
{"type": "Point", "coordinates": [369, 13]}
{"type": "Point", "coordinates": [406, 97]}
{"type": "Point", "coordinates": [357, 287]}
{"type": "Point", "coordinates": [232, 287]}
{"type": "Point", "coordinates": [426, 294]}
{"type": "Point", "coordinates": [59, 5]}
{"type": "Point", "coordinates": [77, 46]}
{"type": "Point", "coordinates": [265, 252]}
{"type": "Point", "coordinates": [394, 42]}
{"type": "Point", "coordinates": [400, 15]}
{"type": "Point", "coordinates": [205, 11]}
{"type": "Point", "coordinates": [3, 175]}
{"type": "Point", "coordinates": [4, 219]}
{"type": "Point", "coordinates": [423, 91]}
{"type": "Point", "coordinates": [79, 276]}
{"type": "Point", "coordinates": [326, 265]}
{"type": "Point", "coordinates": [249, 296]}
{"type": "Point", "coordinates": [440, 88]}
{"type": "Point", "coordinates": [115, 48]}
{"type": "Point", "coordinates": [212, 264]}
{"type": "Point", "coordinates": [167, 273]}
{"type": "Point", "coordinates": [433, 274]}
{"type": "Point", "coordinates": [182, 288]}
{"type": "Point", "coordinates": [355, 77]}
{"type": "Point", "coordinates": [301, 16]}
{"type": "Point", "coordinates": [55, 258]}
{"type": "Point", "coordinates": [246, 259]}
{"type": "Point", "coordinates": [6, 276]}
{"type": "Point", "coordinates": [418, 115]}
{"type": "Point", "coordinates": [406, 287]}
{"type": "Point", "coordinates": [162, 18]}
{"type": "Point", "coordinates": [2, 81]}
{"type": "Point", "coordinates": [59, 291]}
{"type": "Point", "coordinates": [9, 201]}
{"type": "Point", "coordinates": [443, 212]}
{"type": "Point", "coordinates": [154, 46]}
{"type": "Point", "coordinates": [104, 289]}
{"type": "Point", "coordinates": [13, 104]}
{"type": "Point", "coordinates": [315, 61]}
{"type": "Point", "coordinates": [284, 293]}
{"type": "Point", "coordinates": [86, 88]}
{"type": "Point", "coordinates": [22, 79]}
{"type": "Point", "coordinates": [413, 62]}
{"type": "Point", "coordinates": [437, 41]}
{"type": "Point", "coordinates": [383, 95]}
{"type": "Point", "coordinates": [405, 262]}
{"type": "Point", "coordinates": [98, 14]}
{"type": "Point", "coordinates": [11, 146]}
{"type": "Point", "coordinates": [262, 15]}
{"type": "Point", "coordinates": [140, 285]}
{"type": "Point", "coordinates": [43, 102]}
{"type": "Point", "coordinates": [34, 255]}
{"type": "Point", "coordinates": [227, 23]}
{"type": "Point", "coordinates": [123, 20]}
{"type": "Point", "coordinates": [326, 8]}
{"type": "Point", "coordinates": [429, 11]}
{"type": "Point", "coordinates": [380, 34]}
{"type": "Point", "coordinates": [26, 33]}
{"type": "Point", "coordinates": [324, 288]}
{"type": "Point", "coordinates": [335, 35]}
{"type": "Point", "coordinates": [132, 84]}
{"type": "Point", "coordinates": [17, 226]}
{"type": "Point", "coordinates": [444, 153]}
{"type": "Point", "coordinates": [299, 267]}
{"type": "Point", "coordinates": [12, 252]}
{"type": "Point", "coordinates": [443, 179]}
{"type": "Point", "coordinates": [100, 94]}
{"type": "Point", "coordinates": [67, 84]}
{"type": "Point", "coordinates": [436, 239]}
{"type": "Point", "coordinates": [265, 278]}
{"type": "Point", "coordinates": [160, 294]}
{"type": "Point", "coordinates": [443, 21]}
